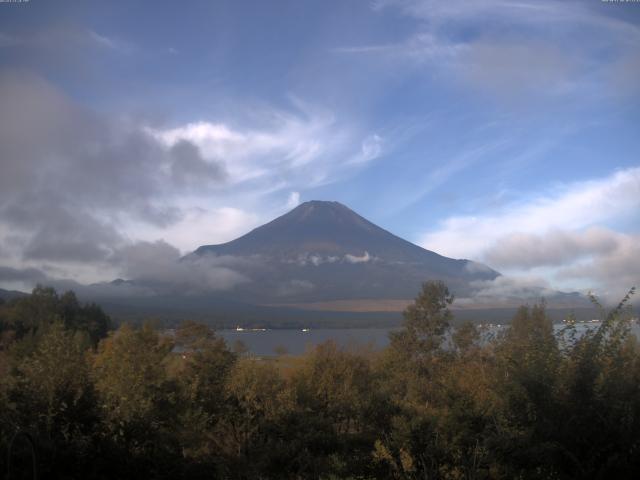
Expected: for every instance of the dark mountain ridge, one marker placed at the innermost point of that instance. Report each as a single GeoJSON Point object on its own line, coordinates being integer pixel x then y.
{"type": "Point", "coordinates": [11, 294]}
{"type": "Point", "coordinates": [328, 228]}
{"type": "Point", "coordinates": [325, 251]}
{"type": "Point", "coordinates": [319, 264]}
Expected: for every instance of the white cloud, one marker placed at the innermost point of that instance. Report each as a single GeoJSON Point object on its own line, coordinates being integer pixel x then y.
{"type": "Point", "coordinates": [294, 200]}
{"type": "Point", "coordinates": [614, 271]}
{"type": "Point", "coordinates": [201, 226]}
{"type": "Point", "coordinates": [103, 40]}
{"type": "Point", "coordinates": [198, 183]}
{"type": "Point", "coordinates": [576, 206]}
{"type": "Point", "coordinates": [317, 259]}
{"type": "Point", "coordinates": [357, 259]}
{"type": "Point", "coordinates": [509, 49]}
{"type": "Point", "coordinates": [314, 259]}
{"type": "Point", "coordinates": [156, 264]}
{"type": "Point", "coordinates": [556, 247]}
{"type": "Point", "coordinates": [308, 146]}
{"type": "Point", "coordinates": [418, 48]}
{"type": "Point", "coordinates": [538, 12]}
{"type": "Point", "coordinates": [435, 11]}
{"type": "Point", "coordinates": [506, 290]}
{"type": "Point", "coordinates": [561, 236]}
{"type": "Point", "coordinates": [370, 149]}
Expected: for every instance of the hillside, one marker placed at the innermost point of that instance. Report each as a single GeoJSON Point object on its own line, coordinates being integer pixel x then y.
{"type": "Point", "coordinates": [323, 251]}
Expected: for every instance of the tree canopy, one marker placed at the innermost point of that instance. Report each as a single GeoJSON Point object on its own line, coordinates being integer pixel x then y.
{"type": "Point", "coordinates": [440, 402]}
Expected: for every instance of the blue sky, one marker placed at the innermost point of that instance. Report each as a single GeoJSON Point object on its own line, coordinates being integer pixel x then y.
{"type": "Point", "coordinates": [502, 131]}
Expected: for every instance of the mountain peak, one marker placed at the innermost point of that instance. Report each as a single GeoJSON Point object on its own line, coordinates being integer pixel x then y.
{"type": "Point", "coordinates": [325, 228]}
{"type": "Point", "coordinates": [322, 213]}
{"type": "Point", "coordinates": [315, 207]}
{"type": "Point", "coordinates": [315, 226]}
{"type": "Point", "coordinates": [323, 249]}
{"type": "Point", "coordinates": [320, 205]}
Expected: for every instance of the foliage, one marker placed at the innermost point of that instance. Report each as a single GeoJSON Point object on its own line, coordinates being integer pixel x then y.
{"type": "Point", "coordinates": [48, 392]}
{"type": "Point", "coordinates": [426, 321]}
{"type": "Point", "coordinates": [21, 317]}
{"type": "Point", "coordinates": [440, 402]}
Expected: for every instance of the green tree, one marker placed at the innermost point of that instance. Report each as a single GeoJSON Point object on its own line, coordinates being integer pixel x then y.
{"type": "Point", "coordinates": [338, 390]}
{"type": "Point", "coordinates": [138, 400]}
{"type": "Point", "coordinates": [526, 381]}
{"type": "Point", "coordinates": [599, 402]}
{"type": "Point", "coordinates": [249, 432]}
{"type": "Point", "coordinates": [89, 318]}
{"type": "Point", "coordinates": [50, 394]}
{"type": "Point", "coordinates": [426, 321]}
{"type": "Point", "coordinates": [465, 338]}
{"type": "Point", "coordinates": [412, 371]}
{"type": "Point", "coordinates": [24, 316]}
{"type": "Point", "coordinates": [201, 368]}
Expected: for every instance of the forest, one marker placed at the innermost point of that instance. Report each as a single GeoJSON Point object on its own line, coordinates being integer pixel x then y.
{"type": "Point", "coordinates": [81, 399]}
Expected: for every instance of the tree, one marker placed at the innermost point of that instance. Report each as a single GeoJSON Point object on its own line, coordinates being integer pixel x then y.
{"type": "Point", "coordinates": [24, 316]}
{"type": "Point", "coordinates": [249, 433]}
{"type": "Point", "coordinates": [465, 337]}
{"type": "Point", "coordinates": [201, 369]}
{"type": "Point", "coordinates": [600, 372]}
{"type": "Point", "coordinates": [426, 320]}
{"type": "Point", "coordinates": [416, 350]}
{"type": "Point", "coordinates": [27, 314]}
{"type": "Point", "coordinates": [338, 391]}
{"type": "Point", "coordinates": [412, 370]}
{"type": "Point", "coordinates": [50, 394]}
{"type": "Point", "coordinates": [138, 400]}
{"type": "Point", "coordinates": [89, 318]}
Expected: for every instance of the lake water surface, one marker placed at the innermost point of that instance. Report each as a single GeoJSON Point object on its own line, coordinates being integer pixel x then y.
{"type": "Point", "coordinates": [295, 342]}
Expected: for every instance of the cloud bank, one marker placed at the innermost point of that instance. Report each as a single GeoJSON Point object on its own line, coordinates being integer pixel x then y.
{"type": "Point", "coordinates": [80, 188]}
{"type": "Point", "coordinates": [562, 232]}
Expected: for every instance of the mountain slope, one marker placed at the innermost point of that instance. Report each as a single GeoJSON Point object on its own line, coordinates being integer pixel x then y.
{"type": "Point", "coordinates": [7, 295]}
{"type": "Point", "coordinates": [323, 251]}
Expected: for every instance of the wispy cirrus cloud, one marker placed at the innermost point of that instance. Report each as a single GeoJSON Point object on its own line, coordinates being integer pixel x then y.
{"type": "Point", "coordinates": [61, 37]}
{"type": "Point", "coordinates": [420, 47]}
{"type": "Point", "coordinates": [511, 50]}
{"type": "Point", "coordinates": [307, 145]}
{"type": "Point", "coordinates": [536, 13]}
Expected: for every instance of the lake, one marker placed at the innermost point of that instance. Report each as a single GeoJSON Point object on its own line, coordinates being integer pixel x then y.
{"type": "Point", "coordinates": [296, 341]}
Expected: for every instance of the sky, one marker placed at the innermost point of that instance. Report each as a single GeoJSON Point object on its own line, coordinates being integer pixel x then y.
{"type": "Point", "coordinates": [507, 132]}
